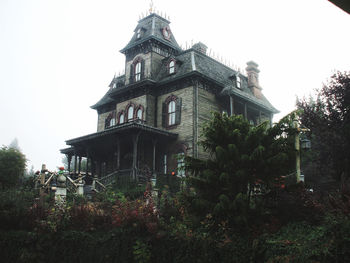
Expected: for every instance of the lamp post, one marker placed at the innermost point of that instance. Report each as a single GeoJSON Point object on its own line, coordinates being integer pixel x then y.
{"type": "Point", "coordinates": [305, 144]}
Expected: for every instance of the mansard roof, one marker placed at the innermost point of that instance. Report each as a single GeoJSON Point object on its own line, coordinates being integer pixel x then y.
{"type": "Point", "coordinates": [116, 83]}
{"type": "Point", "coordinates": [152, 27]}
{"type": "Point", "coordinates": [192, 61]}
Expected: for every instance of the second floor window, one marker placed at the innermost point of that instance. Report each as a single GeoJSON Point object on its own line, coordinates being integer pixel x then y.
{"type": "Point", "coordinates": [171, 113]}
{"type": "Point", "coordinates": [112, 122]}
{"type": "Point", "coordinates": [121, 118]}
{"type": "Point", "coordinates": [139, 114]}
{"type": "Point", "coordinates": [130, 113]}
{"type": "Point", "coordinates": [138, 71]}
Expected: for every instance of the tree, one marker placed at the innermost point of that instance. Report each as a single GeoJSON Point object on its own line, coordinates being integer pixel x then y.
{"type": "Point", "coordinates": [12, 167]}
{"type": "Point", "coordinates": [328, 118]}
{"type": "Point", "coordinates": [241, 155]}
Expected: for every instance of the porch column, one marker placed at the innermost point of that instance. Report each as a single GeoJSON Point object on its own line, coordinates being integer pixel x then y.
{"type": "Point", "coordinates": [135, 139]}
{"type": "Point", "coordinates": [79, 166]}
{"type": "Point", "coordinates": [75, 162]}
{"type": "Point", "coordinates": [154, 142]}
{"type": "Point", "coordinates": [87, 162]}
{"type": "Point", "coordinates": [231, 106]}
{"type": "Point", "coordinates": [69, 160]}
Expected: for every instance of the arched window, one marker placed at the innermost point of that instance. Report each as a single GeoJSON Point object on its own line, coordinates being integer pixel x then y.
{"type": "Point", "coordinates": [139, 113]}
{"type": "Point", "coordinates": [112, 122]}
{"type": "Point", "coordinates": [171, 113]}
{"type": "Point", "coordinates": [172, 67]}
{"type": "Point", "coordinates": [121, 118]}
{"type": "Point", "coordinates": [130, 112]}
{"type": "Point", "coordinates": [138, 71]}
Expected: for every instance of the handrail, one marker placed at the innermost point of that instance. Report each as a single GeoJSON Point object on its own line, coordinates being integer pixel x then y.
{"type": "Point", "coordinates": [48, 180]}
{"type": "Point", "coordinates": [71, 181]}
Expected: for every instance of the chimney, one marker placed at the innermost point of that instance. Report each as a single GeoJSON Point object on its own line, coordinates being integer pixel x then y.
{"type": "Point", "coordinates": [200, 47]}
{"type": "Point", "coordinates": [253, 78]}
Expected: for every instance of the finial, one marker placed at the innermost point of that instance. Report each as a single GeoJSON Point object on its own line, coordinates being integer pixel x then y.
{"type": "Point", "coordinates": [151, 7]}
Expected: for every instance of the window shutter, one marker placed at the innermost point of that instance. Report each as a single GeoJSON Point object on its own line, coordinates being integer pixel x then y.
{"type": "Point", "coordinates": [131, 79]}
{"type": "Point", "coordinates": [142, 69]}
{"type": "Point", "coordinates": [164, 115]}
{"type": "Point", "coordinates": [178, 111]}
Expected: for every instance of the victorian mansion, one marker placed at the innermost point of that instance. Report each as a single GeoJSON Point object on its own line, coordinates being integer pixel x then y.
{"type": "Point", "coordinates": [153, 113]}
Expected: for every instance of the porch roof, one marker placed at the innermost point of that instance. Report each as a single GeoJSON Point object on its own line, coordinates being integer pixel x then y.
{"type": "Point", "coordinates": [127, 128]}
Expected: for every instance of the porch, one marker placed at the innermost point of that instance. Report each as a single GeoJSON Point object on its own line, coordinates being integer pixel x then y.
{"type": "Point", "coordinates": [127, 152]}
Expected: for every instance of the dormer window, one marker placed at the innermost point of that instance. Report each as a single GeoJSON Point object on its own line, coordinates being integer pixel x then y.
{"type": "Point", "coordinates": [171, 67]}
{"type": "Point", "coordinates": [138, 33]}
{"type": "Point", "coordinates": [238, 82]}
{"type": "Point", "coordinates": [114, 85]}
{"type": "Point", "coordinates": [138, 71]}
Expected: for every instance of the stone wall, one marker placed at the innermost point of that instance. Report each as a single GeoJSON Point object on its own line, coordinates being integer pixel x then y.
{"type": "Point", "coordinates": [101, 121]}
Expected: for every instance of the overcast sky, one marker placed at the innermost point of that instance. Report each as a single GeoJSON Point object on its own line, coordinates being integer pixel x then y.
{"type": "Point", "coordinates": [57, 57]}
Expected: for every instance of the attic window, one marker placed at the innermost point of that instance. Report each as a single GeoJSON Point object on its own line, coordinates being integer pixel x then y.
{"type": "Point", "coordinates": [171, 67]}
{"type": "Point", "coordinates": [138, 33]}
{"type": "Point", "coordinates": [114, 85]}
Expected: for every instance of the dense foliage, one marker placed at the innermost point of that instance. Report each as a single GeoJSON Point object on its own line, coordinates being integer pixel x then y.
{"type": "Point", "coordinates": [328, 118]}
{"type": "Point", "coordinates": [12, 167]}
{"type": "Point", "coordinates": [242, 156]}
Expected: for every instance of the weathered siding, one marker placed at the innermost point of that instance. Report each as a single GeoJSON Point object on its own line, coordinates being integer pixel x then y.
{"type": "Point", "coordinates": [150, 110]}
{"type": "Point", "coordinates": [207, 103]}
{"type": "Point", "coordinates": [184, 129]}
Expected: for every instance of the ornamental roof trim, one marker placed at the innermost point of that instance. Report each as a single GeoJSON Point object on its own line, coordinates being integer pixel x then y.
{"type": "Point", "coordinates": [137, 125]}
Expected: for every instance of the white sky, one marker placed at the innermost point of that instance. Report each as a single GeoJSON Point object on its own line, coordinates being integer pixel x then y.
{"type": "Point", "coordinates": [57, 57]}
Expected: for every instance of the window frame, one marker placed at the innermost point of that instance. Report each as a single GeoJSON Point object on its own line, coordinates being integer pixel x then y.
{"type": "Point", "coordinates": [139, 108]}
{"type": "Point", "coordinates": [171, 111]}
